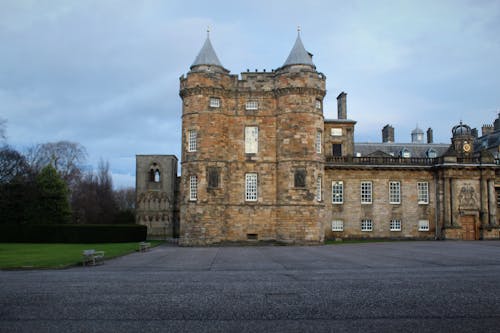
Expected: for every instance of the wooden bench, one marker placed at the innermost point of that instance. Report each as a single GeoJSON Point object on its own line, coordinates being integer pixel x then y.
{"type": "Point", "coordinates": [92, 257]}
{"type": "Point", "coordinates": [144, 246]}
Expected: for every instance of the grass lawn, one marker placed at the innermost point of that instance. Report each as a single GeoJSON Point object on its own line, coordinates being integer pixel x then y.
{"type": "Point", "coordinates": [30, 255]}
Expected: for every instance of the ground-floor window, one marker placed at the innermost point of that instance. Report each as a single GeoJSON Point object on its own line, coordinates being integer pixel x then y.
{"type": "Point", "coordinates": [366, 225]}
{"type": "Point", "coordinates": [337, 225]}
{"type": "Point", "coordinates": [423, 225]}
{"type": "Point", "coordinates": [395, 225]}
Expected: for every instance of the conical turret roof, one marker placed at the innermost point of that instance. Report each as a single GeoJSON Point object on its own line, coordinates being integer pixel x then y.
{"type": "Point", "coordinates": [207, 55]}
{"type": "Point", "coordinates": [298, 55]}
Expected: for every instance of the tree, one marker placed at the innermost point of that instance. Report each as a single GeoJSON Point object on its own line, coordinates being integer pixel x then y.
{"type": "Point", "coordinates": [125, 202]}
{"type": "Point", "coordinates": [3, 131]}
{"type": "Point", "coordinates": [52, 205]}
{"type": "Point", "coordinates": [12, 165]}
{"type": "Point", "coordinates": [66, 157]}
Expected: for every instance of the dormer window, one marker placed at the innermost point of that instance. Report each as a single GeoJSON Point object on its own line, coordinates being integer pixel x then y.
{"type": "Point", "coordinates": [252, 105]}
{"type": "Point", "coordinates": [405, 153]}
{"type": "Point", "coordinates": [431, 153]}
{"type": "Point", "coordinates": [214, 102]}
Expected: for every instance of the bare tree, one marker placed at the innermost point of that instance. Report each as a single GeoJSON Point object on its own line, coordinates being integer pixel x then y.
{"type": "Point", "coordinates": [125, 198]}
{"type": "Point", "coordinates": [66, 157]}
{"type": "Point", "coordinates": [3, 129]}
{"type": "Point", "coordinates": [12, 165]}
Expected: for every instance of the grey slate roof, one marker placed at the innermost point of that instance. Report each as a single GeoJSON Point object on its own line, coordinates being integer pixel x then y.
{"type": "Point", "coordinates": [207, 55]}
{"type": "Point", "coordinates": [395, 149]}
{"type": "Point", "coordinates": [298, 55]}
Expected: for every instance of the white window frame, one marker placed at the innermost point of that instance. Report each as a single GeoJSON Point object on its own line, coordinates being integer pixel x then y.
{"type": "Point", "coordinates": [318, 143]}
{"type": "Point", "coordinates": [423, 225]}
{"type": "Point", "coordinates": [192, 140]}
{"type": "Point", "coordinates": [251, 187]}
{"type": "Point", "coordinates": [337, 225]}
{"type": "Point", "coordinates": [395, 192]}
{"type": "Point", "coordinates": [251, 105]}
{"type": "Point", "coordinates": [214, 102]}
{"type": "Point", "coordinates": [317, 104]}
{"type": "Point", "coordinates": [319, 188]}
{"type": "Point", "coordinates": [251, 139]}
{"type": "Point", "coordinates": [193, 188]}
{"type": "Point", "coordinates": [423, 193]}
{"type": "Point", "coordinates": [337, 192]}
{"type": "Point", "coordinates": [366, 192]}
{"type": "Point", "coordinates": [395, 225]}
{"type": "Point", "coordinates": [366, 225]}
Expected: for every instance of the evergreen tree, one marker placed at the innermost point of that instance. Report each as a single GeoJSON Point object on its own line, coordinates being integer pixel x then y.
{"type": "Point", "coordinates": [52, 203]}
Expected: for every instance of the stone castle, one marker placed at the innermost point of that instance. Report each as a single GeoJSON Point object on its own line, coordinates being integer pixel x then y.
{"type": "Point", "coordinates": [261, 163]}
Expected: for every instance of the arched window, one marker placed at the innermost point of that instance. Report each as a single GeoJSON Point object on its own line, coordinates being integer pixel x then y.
{"type": "Point", "coordinates": [157, 176]}
{"type": "Point", "coordinates": [151, 175]}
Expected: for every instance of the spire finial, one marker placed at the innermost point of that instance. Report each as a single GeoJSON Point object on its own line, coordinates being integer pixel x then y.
{"type": "Point", "coordinates": [298, 29]}
{"type": "Point", "coordinates": [208, 31]}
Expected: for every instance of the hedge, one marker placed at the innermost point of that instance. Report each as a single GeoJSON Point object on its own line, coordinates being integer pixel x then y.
{"type": "Point", "coordinates": [72, 233]}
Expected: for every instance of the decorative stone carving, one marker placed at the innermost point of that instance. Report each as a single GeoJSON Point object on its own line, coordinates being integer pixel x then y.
{"type": "Point", "coordinates": [467, 198]}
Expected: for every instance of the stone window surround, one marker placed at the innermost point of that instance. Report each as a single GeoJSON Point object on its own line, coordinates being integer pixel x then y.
{"type": "Point", "coordinates": [337, 192]}
{"type": "Point", "coordinates": [366, 192]}
{"type": "Point", "coordinates": [252, 105]}
{"type": "Point", "coordinates": [423, 193]}
{"type": "Point", "coordinates": [395, 192]}
{"type": "Point", "coordinates": [251, 186]}
{"type": "Point", "coordinates": [193, 188]}
{"type": "Point", "coordinates": [214, 102]}
{"type": "Point", "coordinates": [395, 225]}
{"type": "Point", "coordinates": [319, 188]}
{"type": "Point", "coordinates": [423, 225]}
{"type": "Point", "coordinates": [366, 225]}
{"type": "Point", "coordinates": [192, 140]}
{"type": "Point", "coordinates": [337, 225]}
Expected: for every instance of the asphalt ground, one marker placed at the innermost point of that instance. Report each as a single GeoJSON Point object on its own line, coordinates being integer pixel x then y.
{"type": "Point", "coordinates": [441, 286]}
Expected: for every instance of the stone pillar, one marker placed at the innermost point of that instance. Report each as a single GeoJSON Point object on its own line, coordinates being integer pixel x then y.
{"type": "Point", "coordinates": [492, 209]}
{"type": "Point", "coordinates": [483, 188]}
{"type": "Point", "coordinates": [451, 197]}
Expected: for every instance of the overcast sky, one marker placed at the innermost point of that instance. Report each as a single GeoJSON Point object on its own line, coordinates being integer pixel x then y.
{"type": "Point", "coordinates": [105, 73]}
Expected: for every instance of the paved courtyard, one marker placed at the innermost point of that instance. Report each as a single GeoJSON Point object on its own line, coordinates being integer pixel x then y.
{"type": "Point", "coordinates": [401, 286]}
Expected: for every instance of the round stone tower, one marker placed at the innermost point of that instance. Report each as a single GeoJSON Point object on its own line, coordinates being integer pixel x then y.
{"type": "Point", "coordinates": [204, 146]}
{"type": "Point", "coordinates": [299, 90]}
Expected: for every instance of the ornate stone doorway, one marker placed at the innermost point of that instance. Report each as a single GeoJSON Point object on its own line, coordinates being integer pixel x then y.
{"type": "Point", "coordinates": [470, 228]}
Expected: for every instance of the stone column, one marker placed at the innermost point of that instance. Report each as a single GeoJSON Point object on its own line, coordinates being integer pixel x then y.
{"type": "Point", "coordinates": [447, 202]}
{"type": "Point", "coordinates": [483, 188]}
{"type": "Point", "coordinates": [451, 198]}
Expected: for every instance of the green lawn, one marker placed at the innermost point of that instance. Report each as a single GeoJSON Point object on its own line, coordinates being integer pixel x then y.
{"type": "Point", "coordinates": [30, 255]}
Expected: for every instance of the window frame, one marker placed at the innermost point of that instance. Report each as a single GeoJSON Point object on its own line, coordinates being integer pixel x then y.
{"type": "Point", "coordinates": [318, 104]}
{"type": "Point", "coordinates": [336, 185]}
{"type": "Point", "coordinates": [319, 188]}
{"type": "Point", "coordinates": [251, 105]}
{"type": "Point", "coordinates": [193, 188]}
{"type": "Point", "coordinates": [395, 225]}
{"type": "Point", "coordinates": [423, 225]}
{"type": "Point", "coordinates": [366, 225]}
{"type": "Point", "coordinates": [214, 102]}
{"type": "Point", "coordinates": [366, 194]}
{"type": "Point", "coordinates": [192, 140]}
{"type": "Point", "coordinates": [423, 193]}
{"type": "Point", "coordinates": [337, 225]}
{"type": "Point", "coordinates": [319, 142]}
{"type": "Point", "coordinates": [395, 192]}
{"type": "Point", "coordinates": [251, 187]}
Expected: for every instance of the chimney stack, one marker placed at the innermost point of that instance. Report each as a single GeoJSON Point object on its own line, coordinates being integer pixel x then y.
{"type": "Point", "coordinates": [486, 129]}
{"type": "Point", "coordinates": [342, 105]}
{"type": "Point", "coordinates": [430, 136]}
{"type": "Point", "coordinates": [388, 133]}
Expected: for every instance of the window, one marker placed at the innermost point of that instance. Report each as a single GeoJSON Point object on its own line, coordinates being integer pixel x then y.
{"type": "Point", "coordinates": [251, 187]}
{"type": "Point", "coordinates": [192, 140]}
{"type": "Point", "coordinates": [431, 153]}
{"type": "Point", "coordinates": [423, 225]}
{"type": "Point", "coordinates": [193, 188]}
{"type": "Point", "coordinates": [497, 190]}
{"type": "Point", "coordinates": [423, 193]}
{"type": "Point", "coordinates": [299, 178]}
{"type": "Point", "coordinates": [213, 177]}
{"type": "Point", "coordinates": [337, 149]}
{"type": "Point", "coordinates": [394, 192]}
{"type": "Point", "coordinates": [405, 153]}
{"type": "Point", "coordinates": [337, 225]}
{"type": "Point", "coordinates": [214, 102]}
{"type": "Point", "coordinates": [317, 104]}
{"type": "Point", "coordinates": [154, 173]}
{"type": "Point", "coordinates": [336, 132]}
{"type": "Point", "coordinates": [318, 142]}
{"type": "Point", "coordinates": [338, 192]}
{"type": "Point", "coordinates": [251, 139]}
{"type": "Point", "coordinates": [157, 176]}
{"type": "Point", "coordinates": [366, 192]}
{"type": "Point", "coordinates": [318, 188]}
{"type": "Point", "coordinates": [252, 105]}
{"type": "Point", "coordinates": [395, 225]}
{"type": "Point", "coordinates": [366, 225]}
